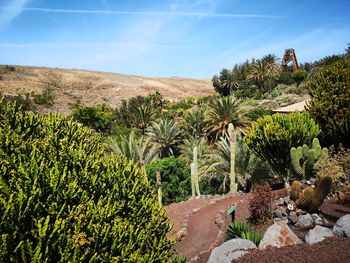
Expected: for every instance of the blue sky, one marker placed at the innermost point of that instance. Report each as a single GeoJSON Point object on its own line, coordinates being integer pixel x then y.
{"type": "Point", "coordinates": [168, 37]}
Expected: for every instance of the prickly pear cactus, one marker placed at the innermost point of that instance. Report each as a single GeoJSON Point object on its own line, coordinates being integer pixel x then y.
{"type": "Point", "coordinates": [303, 159]}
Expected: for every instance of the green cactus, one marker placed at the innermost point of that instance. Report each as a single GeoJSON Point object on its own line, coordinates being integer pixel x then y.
{"type": "Point", "coordinates": [311, 199]}
{"type": "Point", "coordinates": [194, 173]}
{"type": "Point", "coordinates": [303, 159]}
{"type": "Point", "coordinates": [295, 190]}
{"type": "Point", "coordinates": [232, 135]}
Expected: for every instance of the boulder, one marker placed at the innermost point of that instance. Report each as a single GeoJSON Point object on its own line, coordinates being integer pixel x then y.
{"type": "Point", "coordinates": [279, 235]}
{"type": "Point", "coordinates": [292, 217]}
{"type": "Point", "coordinates": [305, 221]}
{"type": "Point", "coordinates": [277, 213]}
{"type": "Point", "coordinates": [280, 201]}
{"type": "Point", "coordinates": [230, 250]}
{"type": "Point", "coordinates": [317, 234]}
{"type": "Point", "coordinates": [342, 226]}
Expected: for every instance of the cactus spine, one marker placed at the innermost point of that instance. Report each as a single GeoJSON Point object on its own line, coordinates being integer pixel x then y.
{"type": "Point", "coordinates": [194, 173]}
{"type": "Point", "coordinates": [232, 136]}
{"type": "Point", "coordinates": [304, 158]}
{"type": "Point", "coordinates": [295, 190]}
{"type": "Point", "coordinates": [311, 199]}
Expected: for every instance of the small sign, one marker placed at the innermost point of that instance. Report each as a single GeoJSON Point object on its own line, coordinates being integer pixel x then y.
{"type": "Point", "coordinates": [231, 209]}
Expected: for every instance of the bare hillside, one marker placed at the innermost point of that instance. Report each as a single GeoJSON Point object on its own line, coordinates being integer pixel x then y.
{"type": "Point", "coordinates": [92, 88]}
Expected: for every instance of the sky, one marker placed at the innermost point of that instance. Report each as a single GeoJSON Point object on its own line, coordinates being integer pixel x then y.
{"type": "Point", "coordinates": [164, 38]}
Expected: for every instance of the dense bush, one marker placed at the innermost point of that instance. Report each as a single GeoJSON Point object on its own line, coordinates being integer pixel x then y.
{"type": "Point", "coordinates": [243, 230]}
{"type": "Point", "coordinates": [176, 178]}
{"type": "Point", "coordinates": [46, 97]}
{"type": "Point", "coordinates": [260, 205]}
{"type": "Point", "coordinates": [299, 76]}
{"type": "Point", "coordinates": [271, 138]}
{"type": "Point", "coordinates": [330, 103]}
{"type": "Point", "coordinates": [64, 199]}
{"type": "Point", "coordinates": [22, 102]}
{"type": "Point", "coordinates": [96, 117]}
{"type": "Point", "coordinates": [286, 78]}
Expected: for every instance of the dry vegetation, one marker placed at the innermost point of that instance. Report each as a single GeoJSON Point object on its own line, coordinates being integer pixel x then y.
{"type": "Point", "coordinates": [93, 88]}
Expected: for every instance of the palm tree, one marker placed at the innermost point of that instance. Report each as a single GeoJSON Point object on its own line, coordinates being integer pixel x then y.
{"type": "Point", "coordinates": [194, 123]}
{"type": "Point", "coordinates": [273, 65]}
{"type": "Point", "coordinates": [259, 73]}
{"type": "Point", "coordinates": [223, 111]}
{"type": "Point", "coordinates": [166, 136]}
{"type": "Point", "coordinates": [139, 150]}
{"type": "Point", "coordinates": [143, 117]}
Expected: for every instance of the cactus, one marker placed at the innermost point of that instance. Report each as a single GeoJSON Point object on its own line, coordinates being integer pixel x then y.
{"type": "Point", "coordinates": [194, 173]}
{"type": "Point", "coordinates": [295, 190]}
{"type": "Point", "coordinates": [311, 199]}
{"type": "Point", "coordinates": [303, 159]}
{"type": "Point", "coordinates": [159, 186]}
{"type": "Point", "coordinates": [232, 135]}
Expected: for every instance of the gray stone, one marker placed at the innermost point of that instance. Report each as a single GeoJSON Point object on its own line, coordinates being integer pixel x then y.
{"type": "Point", "coordinates": [300, 211]}
{"type": "Point", "coordinates": [305, 221]}
{"type": "Point", "coordinates": [293, 217]}
{"type": "Point", "coordinates": [277, 213]}
{"type": "Point", "coordinates": [280, 201]}
{"type": "Point", "coordinates": [317, 234]}
{"type": "Point", "coordinates": [286, 200]}
{"type": "Point", "coordinates": [342, 226]}
{"type": "Point", "coordinates": [230, 250]}
{"type": "Point", "coordinates": [283, 210]}
{"type": "Point", "coordinates": [279, 235]}
{"type": "Point", "coordinates": [308, 182]}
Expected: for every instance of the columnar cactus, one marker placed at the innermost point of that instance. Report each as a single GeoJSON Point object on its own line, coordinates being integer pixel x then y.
{"type": "Point", "coordinates": [159, 186]}
{"type": "Point", "coordinates": [304, 158]}
{"type": "Point", "coordinates": [232, 135]}
{"type": "Point", "coordinates": [194, 173]}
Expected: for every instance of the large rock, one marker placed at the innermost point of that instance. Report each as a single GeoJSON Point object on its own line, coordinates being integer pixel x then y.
{"type": "Point", "coordinates": [317, 234]}
{"type": "Point", "coordinates": [305, 221]}
{"type": "Point", "coordinates": [230, 250]}
{"type": "Point", "coordinates": [342, 226]}
{"type": "Point", "coordinates": [279, 235]}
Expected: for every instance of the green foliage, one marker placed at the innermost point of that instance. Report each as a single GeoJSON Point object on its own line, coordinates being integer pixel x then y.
{"type": "Point", "coordinates": [98, 118]}
{"type": "Point", "coordinates": [22, 102]}
{"type": "Point", "coordinates": [243, 230]}
{"type": "Point", "coordinates": [271, 138]}
{"type": "Point", "coordinates": [193, 123]}
{"type": "Point", "coordinates": [286, 78]}
{"type": "Point", "coordinates": [142, 118]}
{"type": "Point", "coordinates": [176, 178]}
{"type": "Point", "coordinates": [256, 113]}
{"type": "Point", "coordinates": [46, 97]}
{"type": "Point", "coordinates": [330, 103]}
{"type": "Point", "coordinates": [299, 75]}
{"type": "Point", "coordinates": [226, 83]}
{"type": "Point", "coordinates": [64, 198]}
{"type": "Point", "coordinates": [303, 159]}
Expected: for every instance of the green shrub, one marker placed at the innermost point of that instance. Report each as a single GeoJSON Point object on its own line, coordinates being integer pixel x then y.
{"type": "Point", "coordinates": [243, 230]}
{"type": "Point", "coordinates": [330, 103]}
{"type": "Point", "coordinates": [256, 113]}
{"type": "Point", "coordinates": [286, 78]}
{"type": "Point", "coordinates": [299, 75]}
{"type": "Point", "coordinates": [46, 97]}
{"type": "Point", "coordinates": [271, 138]}
{"type": "Point", "coordinates": [23, 102]}
{"type": "Point", "coordinates": [176, 178]}
{"type": "Point", "coordinates": [64, 199]}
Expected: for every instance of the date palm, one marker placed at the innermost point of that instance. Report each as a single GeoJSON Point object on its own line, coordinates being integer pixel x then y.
{"type": "Point", "coordinates": [166, 136]}
{"type": "Point", "coordinates": [259, 73]}
{"type": "Point", "coordinates": [194, 123]}
{"type": "Point", "coordinates": [223, 111]}
{"type": "Point", "coordinates": [143, 117]}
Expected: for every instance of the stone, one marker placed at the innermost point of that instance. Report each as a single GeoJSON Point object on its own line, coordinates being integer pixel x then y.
{"type": "Point", "coordinates": [286, 200]}
{"type": "Point", "coordinates": [292, 217]}
{"type": "Point", "coordinates": [283, 210]}
{"type": "Point", "coordinates": [280, 201]}
{"type": "Point", "coordinates": [342, 226]}
{"type": "Point", "coordinates": [305, 221]}
{"type": "Point", "coordinates": [230, 250]}
{"type": "Point", "coordinates": [279, 235]}
{"type": "Point", "coordinates": [300, 211]}
{"type": "Point", "coordinates": [317, 234]}
{"type": "Point", "coordinates": [277, 213]}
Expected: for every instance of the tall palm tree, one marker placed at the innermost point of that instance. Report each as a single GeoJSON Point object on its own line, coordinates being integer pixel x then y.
{"type": "Point", "coordinates": [273, 65]}
{"type": "Point", "coordinates": [166, 136]}
{"type": "Point", "coordinates": [259, 73]}
{"type": "Point", "coordinates": [142, 118]}
{"type": "Point", "coordinates": [223, 111]}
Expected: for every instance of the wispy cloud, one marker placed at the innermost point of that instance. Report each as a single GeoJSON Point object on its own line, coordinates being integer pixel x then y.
{"type": "Point", "coordinates": [145, 13]}
{"type": "Point", "coordinates": [8, 14]}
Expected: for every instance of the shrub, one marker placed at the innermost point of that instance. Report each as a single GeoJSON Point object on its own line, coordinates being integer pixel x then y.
{"type": "Point", "coordinates": [256, 113]}
{"type": "Point", "coordinates": [243, 230]}
{"type": "Point", "coordinates": [286, 78]}
{"type": "Point", "coordinates": [46, 97]}
{"type": "Point", "coordinates": [64, 199]}
{"type": "Point", "coordinates": [22, 102]}
{"type": "Point", "coordinates": [176, 178]}
{"type": "Point", "coordinates": [260, 205]}
{"type": "Point", "coordinates": [330, 103]}
{"type": "Point", "coordinates": [299, 76]}
{"type": "Point", "coordinates": [271, 138]}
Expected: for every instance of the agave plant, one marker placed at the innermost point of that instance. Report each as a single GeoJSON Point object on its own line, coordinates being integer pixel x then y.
{"type": "Point", "coordinates": [142, 118]}
{"type": "Point", "coordinates": [166, 136]}
{"type": "Point", "coordinates": [243, 230]}
{"type": "Point", "coordinates": [140, 150]}
{"type": "Point", "coordinates": [223, 111]}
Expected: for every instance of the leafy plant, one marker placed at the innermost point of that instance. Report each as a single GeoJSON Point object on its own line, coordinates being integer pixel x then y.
{"type": "Point", "coordinates": [271, 138]}
{"type": "Point", "coordinates": [64, 198]}
{"type": "Point", "coordinates": [260, 205]}
{"type": "Point", "coordinates": [299, 75]}
{"type": "Point", "coordinates": [243, 230]}
{"type": "Point", "coordinates": [46, 97]}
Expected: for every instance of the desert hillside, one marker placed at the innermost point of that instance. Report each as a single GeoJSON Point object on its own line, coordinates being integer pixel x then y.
{"type": "Point", "coordinates": [92, 88]}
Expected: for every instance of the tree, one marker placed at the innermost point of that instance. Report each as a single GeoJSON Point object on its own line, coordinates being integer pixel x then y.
{"type": "Point", "coordinates": [299, 75]}
{"type": "Point", "coordinates": [259, 74]}
{"type": "Point", "coordinates": [226, 83]}
{"type": "Point", "coordinates": [223, 111]}
{"type": "Point", "coordinates": [142, 118]}
{"type": "Point", "coordinates": [166, 136]}
{"type": "Point", "coordinates": [194, 123]}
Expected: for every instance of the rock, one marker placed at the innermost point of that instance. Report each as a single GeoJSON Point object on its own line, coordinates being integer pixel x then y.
{"type": "Point", "coordinates": [280, 201]}
{"type": "Point", "coordinates": [230, 250]}
{"type": "Point", "coordinates": [342, 226]}
{"type": "Point", "coordinates": [305, 221]}
{"type": "Point", "coordinates": [317, 234]}
{"type": "Point", "coordinates": [300, 211]}
{"type": "Point", "coordinates": [277, 213]}
{"type": "Point", "coordinates": [195, 210]}
{"type": "Point", "coordinates": [293, 217]}
{"type": "Point", "coordinates": [279, 235]}
{"type": "Point", "coordinates": [283, 210]}
{"type": "Point", "coordinates": [308, 182]}
{"type": "Point", "coordinates": [286, 200]}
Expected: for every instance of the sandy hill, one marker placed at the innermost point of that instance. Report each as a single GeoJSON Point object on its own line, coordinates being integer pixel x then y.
{"type": "Point", "coordinates": [93, 88]}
